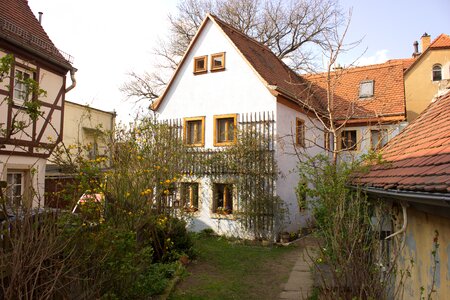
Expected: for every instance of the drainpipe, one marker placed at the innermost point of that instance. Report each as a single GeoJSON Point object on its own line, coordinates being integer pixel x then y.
{"type": "Point", "coordinates": [74, 80]}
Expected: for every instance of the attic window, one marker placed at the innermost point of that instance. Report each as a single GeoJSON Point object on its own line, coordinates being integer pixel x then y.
{"type": "Point", "coordinates": [437, 72]}
{"type": "Point", "coordinates": [218, 61]}
{"type": "Point", "coordinates": [366, 89]}
{"type": "Point", "coordinates": [200, 64]}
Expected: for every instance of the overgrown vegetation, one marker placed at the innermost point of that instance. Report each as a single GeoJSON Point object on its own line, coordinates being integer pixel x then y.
{"type": "Point", "coordinates": [351, 262]}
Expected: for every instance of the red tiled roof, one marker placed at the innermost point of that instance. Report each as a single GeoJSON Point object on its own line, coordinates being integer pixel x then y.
{"type": "Point", "coordinates": [442, 41]}
{"type": "Point", "coordinates": [388, 99]}
{"type": "Point", "coordinates": [272, 71]}
{"type": "Point", "coordinates": [418, 159]}
{"type": "Point", "coordinates": [18, 23]}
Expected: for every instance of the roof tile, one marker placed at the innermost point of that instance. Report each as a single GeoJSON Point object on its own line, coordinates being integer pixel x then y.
{"type": "Point", "coordinates": [418, 159]}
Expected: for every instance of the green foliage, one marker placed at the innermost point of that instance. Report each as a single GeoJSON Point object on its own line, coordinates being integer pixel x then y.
{"type": "Point", "coordinates": [343, 220]}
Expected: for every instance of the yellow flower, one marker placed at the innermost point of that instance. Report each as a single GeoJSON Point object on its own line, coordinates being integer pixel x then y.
{"type": "Point", "coordinates": [157, 167]}
{"type": "Point", "coordinates": [127, 194]}
{"type": "Point", "coordinates": [168, 181]}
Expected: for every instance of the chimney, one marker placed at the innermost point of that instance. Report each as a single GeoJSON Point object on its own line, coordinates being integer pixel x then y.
{"type": "Point", "coordinates": [40, 17]}
{"type": "Point", "coordinates": [425, 40]}
{"type": "Point", "coordinates": [416, 49]}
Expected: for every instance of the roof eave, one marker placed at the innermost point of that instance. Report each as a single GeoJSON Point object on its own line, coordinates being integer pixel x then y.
{"type": "Point", "coordinates": [67, 66]}
{"type": "Point", "coordinates": [433, 199]}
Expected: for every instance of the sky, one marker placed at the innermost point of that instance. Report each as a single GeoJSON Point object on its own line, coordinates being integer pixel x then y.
{"type": "Point", "coordinates": [110, 38]}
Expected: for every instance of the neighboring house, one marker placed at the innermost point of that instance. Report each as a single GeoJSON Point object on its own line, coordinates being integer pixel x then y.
{"type": "Point", "coordinates": [85, 127]}
{"type": "Point", "coordinates": [226, 79]}
{"type": "Point", "coordinates": [23, 154]}
{"type": "Point", "coordinates": [368, 102]}
{"type": "Point", "coordinates": [416, 177]}
{"type": "Point", "coordinates": [428, 75]}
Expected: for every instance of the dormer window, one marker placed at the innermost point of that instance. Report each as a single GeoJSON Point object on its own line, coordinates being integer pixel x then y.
{"type": "Point", "coordinates": [366, 89]}
{"type": "Point", "coordinates": [218, 61]}
{"type": "Point", "coordinates": [437, 72]}
{"type": "Point", "coordinates": [200, 64]}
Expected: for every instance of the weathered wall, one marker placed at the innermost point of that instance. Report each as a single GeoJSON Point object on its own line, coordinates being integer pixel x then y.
{"type": "Point", "coordinates": [418, 247]}
{"type": "Point", "coordinates": [419, 85]}
{"type": "Point", "coordinates": [287, 159]}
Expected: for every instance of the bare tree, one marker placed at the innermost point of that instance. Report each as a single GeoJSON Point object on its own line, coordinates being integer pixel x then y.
{"type": "Point", "coordinates": [286, 27]}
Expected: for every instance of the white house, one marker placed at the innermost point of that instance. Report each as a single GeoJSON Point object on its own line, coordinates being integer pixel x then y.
{"type": "Point", "coordinates": [224, 76]}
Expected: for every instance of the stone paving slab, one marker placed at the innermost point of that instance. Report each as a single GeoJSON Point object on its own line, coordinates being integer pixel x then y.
{"type": "Point", "coordinates": [300, 283]}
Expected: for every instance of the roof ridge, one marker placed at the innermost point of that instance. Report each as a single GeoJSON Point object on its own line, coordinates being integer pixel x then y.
{"type": "Point", "coordinates": [386, 64]}
{"type": "Point", "coordinates": [216, 18]}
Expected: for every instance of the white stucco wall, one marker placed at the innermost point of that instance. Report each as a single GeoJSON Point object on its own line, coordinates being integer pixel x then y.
{"type": "Point", "coordinates": [288, 160]}
{"type": "Point", "coordinates": [235, 90]}
{"type": "Point", "coordinates": [364, 138]}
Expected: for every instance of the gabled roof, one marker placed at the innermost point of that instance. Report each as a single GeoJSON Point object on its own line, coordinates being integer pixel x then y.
{"type": "Point", "coordinates": [274, 74]}
{"type": "Point", "coordinates": [19, 26]}
{"type": "Point", "coordinates": [387, 103]}
{"type": "Point", "coordinates": [418, 159]}
{"type": "Point", "coordinates": [441, 42]}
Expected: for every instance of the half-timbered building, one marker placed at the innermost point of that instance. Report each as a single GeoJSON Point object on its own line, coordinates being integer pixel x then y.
{"type": "Point", "coordinates": [26, 141]}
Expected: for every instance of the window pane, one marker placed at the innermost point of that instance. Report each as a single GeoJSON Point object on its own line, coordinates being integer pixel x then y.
{"type": "Point", "coordinates": [366, 89]}
{"type": "Point", "coordinates": [217, 61]}
{"type": "Point", "coordinates": [194, 132]}
{"type": "Point", "coordinates": [200, 64]}
{"type": "Point", "coordinates": [437, 73]}
{"type": "Point", "coordinates": [348, 140]}
{"type": "Point", "coordinates": [223, 198]}
{"type": "Point", "coordinates": [225, 128]}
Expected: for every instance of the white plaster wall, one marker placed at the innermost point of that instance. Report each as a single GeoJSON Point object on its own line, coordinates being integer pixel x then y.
{"type": "Point", "coordinates": [364, 138]}
{"type": "Point", "coordinates": [36, 167]}
{"type": "Point", "coordinates": [288, 161]}
{"type": "Point", "coordinates": [235, 90]}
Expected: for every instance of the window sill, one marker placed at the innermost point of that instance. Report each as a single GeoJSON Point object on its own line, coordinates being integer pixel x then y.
{"type": "Point", "coordinates": [222, 216]}
{"type": "Point", "coordinates": [195, 145]}
{"type": "Point", "coordinates": [200, 72]}
{"type": "Point", "coordinates": [218, 70]}
{"type": "Point", "coordinates": [224, 144]}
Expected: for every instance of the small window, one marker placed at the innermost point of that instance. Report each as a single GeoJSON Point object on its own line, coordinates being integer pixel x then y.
{"type": "Point", "coordinates": [437, 72]}
{"type": "Point", "coordinates": [15, 188]}
{"type": "Point", "coordinates": [379, 138]}
{"type": "Point", "coordinates": [223, 198]}
{"type": "Point", "coordinates": [224, 130]}
{"type": "Point", "coordinates": [194, 131]}
{"type": "Point", "coordinates": [21, 91]}
{"type": "Point", "coordinates": [189, 196]}
{"type": "Point", "coordinates": [300, 132]}
{"type": "Point", "coordinates": [349, 140]}
{"type": "Point", "coordinates": [366, 89]}
{"type": "Point", "coordinates": [218, 61]}
{"type": "Point", "coordinates": [200, 64]}
{"type": "Point", "coordinates": [326, 140]}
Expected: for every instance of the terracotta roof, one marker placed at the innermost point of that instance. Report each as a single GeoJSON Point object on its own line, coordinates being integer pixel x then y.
{"type": "Point", "coordinates": [442, 41]}
{"type": "Point", "coordinates": [388, 99]}
{"type": "Point", "coordinates": [418, 159]}
{"type": "Point", "coordinates": [276, 75]}
{"type": "Point", "coordinates": [19, 25]}
{"type": "Point", "coordinates": [407, 62]}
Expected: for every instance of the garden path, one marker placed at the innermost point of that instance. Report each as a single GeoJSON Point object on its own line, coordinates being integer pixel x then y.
{"type": "Point", "coordinates": [300, 282]}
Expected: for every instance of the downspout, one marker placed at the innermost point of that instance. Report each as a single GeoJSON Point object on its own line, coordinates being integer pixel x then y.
{"type": "Point", "coordinates": [74, 80]}
{"type": "Point", "coordinates": [405, 221]}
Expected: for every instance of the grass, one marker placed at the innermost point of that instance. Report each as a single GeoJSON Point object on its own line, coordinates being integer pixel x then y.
{"type": "Point", "coordinates": [230, 270]}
